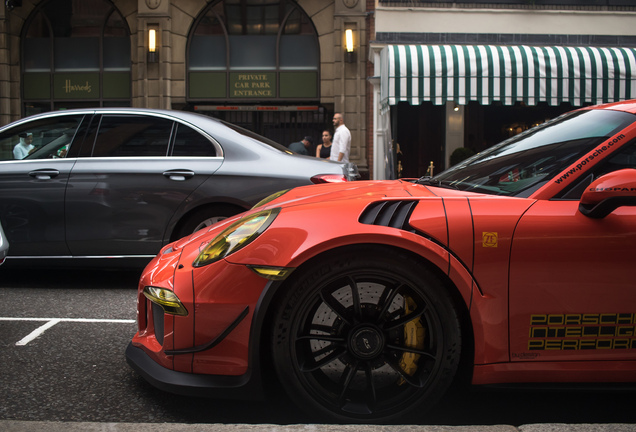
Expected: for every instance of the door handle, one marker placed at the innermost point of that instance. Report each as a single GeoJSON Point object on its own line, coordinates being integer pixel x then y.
{"type": "Point", "coordinates": [179, 175]}
{"type": "Point", "coordinates": [44, 174]}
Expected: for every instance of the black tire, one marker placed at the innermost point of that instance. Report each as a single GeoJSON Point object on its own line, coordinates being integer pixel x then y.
{"type": "Point", "coordinates": [394, 350]}
{"type": "Point", "coordinates": [205, 217]}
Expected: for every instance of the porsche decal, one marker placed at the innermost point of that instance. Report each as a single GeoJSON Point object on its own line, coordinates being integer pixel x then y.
{"type": "Point", "coordinates": [579, 166]}
{"type": "Point", "coordinates": [582, 331]}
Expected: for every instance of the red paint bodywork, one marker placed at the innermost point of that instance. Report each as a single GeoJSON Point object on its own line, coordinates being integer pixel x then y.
{"type": "Point", "coordinates": [530, 272]}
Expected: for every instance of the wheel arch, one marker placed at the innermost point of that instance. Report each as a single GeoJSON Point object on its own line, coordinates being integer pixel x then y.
{"type": "Point", "coordinates": [230, 206]}
{"type": "Point", "coordinates": [264, 315]}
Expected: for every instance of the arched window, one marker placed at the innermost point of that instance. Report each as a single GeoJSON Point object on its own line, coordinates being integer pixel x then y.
{"type": "Point", "coordinates": [247, 50]}
{"type": "Point", "coordinates": [75, 53]}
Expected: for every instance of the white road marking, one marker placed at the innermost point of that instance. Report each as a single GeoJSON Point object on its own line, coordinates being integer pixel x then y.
{"type": "Point", "coordinates": [50, 322]}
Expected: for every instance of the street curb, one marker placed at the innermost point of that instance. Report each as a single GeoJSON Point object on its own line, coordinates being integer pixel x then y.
{"type": "Point", "coordinates": [39, 426]}
{"type": "Point", "coordinates": [43, 426]}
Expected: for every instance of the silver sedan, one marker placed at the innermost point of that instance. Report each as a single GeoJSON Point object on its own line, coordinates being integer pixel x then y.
{"type": "Point", "coordinates": [115, 185]}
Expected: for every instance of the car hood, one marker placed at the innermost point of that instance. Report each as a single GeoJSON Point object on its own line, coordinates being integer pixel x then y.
{"type": "Point", "coordinates": [365, 190]}
{"type": "Point", "coordinates": [316, 196]}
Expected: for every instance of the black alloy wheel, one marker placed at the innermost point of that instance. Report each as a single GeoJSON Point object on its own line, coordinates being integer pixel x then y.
{"type": "Point", "coordinates": [366, 338]}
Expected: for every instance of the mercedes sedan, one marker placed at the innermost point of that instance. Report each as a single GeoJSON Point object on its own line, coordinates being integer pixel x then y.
{"type": "Point", "coordinates": [115, 185]}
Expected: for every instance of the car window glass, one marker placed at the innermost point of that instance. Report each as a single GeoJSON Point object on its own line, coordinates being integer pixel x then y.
{"type": "Point", "coordinates": [126, 136]}
{"type": "Point", "coordinates": [47, 138]}
{"type": "Point", "coordinates": [521, 164]}
{"type": "Point", "coordinates": [256, 137]}
{"type": "Point", "coordinates": [624, 158]}
{"type": "Point", "coordinates": [189, 142]}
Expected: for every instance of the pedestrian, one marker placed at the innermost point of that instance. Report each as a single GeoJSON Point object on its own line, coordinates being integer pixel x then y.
{"type": "Point", "coordinates": [24, 147]}
{"type": "Point", "coordinates": [302, 147]}
{"type": "Point", "coordinates": [323, 151]}
{"type": "Point", "coordinates": [341, 140]}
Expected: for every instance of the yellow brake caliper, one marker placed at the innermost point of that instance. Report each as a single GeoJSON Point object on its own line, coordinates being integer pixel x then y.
{"type": "Point", "coordinates": [414, 335]}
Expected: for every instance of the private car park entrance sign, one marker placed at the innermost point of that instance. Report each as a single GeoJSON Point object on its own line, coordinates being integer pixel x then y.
{"type": "Point", "coordinates": [249, 85]}
{"type": "Point", "coordinates": [253, 85]}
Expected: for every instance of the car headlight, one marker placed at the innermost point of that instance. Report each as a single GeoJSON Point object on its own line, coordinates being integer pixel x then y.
{"type": "Point", "coordinates": [167, 299]}
{"type": "Point", "coordinates": [270, 198]}
{"type": "Point", "coordinates": [236, 236]}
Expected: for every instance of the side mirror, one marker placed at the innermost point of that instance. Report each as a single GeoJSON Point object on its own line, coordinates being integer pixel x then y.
{"type": "Point", "coordinates": [609, 192]}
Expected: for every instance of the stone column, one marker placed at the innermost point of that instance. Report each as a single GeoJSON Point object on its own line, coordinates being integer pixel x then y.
{"type": "Point", "coordinates": [350, 80]}
{"type": "Point", "coordinates": [152, 72]}
{"type": "Point", "coordinates": [11, 23]}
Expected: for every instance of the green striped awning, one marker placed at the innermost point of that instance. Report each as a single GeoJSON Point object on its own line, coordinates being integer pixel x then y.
{"type": "Point", "coordinates": [509, 74]}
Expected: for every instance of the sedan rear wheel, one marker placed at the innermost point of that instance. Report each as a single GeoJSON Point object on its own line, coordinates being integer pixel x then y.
{"type": "Point", "coordinates": [366, 339]}
{"type": "Point", "coordinates": [206, 217]}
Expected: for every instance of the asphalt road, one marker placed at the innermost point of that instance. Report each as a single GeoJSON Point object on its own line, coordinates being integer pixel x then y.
{"type": "Point", "coordinates": [63, 336]}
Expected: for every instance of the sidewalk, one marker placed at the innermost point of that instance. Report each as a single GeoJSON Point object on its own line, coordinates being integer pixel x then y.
{"type": "Point", "coordinates": [27, 426]}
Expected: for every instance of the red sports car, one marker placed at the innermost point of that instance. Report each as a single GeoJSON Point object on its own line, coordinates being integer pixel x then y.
{"type": "Point", "coordinates": [366, 300]}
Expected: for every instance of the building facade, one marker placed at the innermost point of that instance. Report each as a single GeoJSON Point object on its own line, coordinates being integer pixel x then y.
{"type": "Point", "coordinates": [470, 73]}
{"type": "Point", "coordinates": [278, 67]}
{"type": "Point", "coordinates": [423, 78]}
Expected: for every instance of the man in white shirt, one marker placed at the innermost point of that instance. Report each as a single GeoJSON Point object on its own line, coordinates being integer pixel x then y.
{"type": "Point", "coordinates": [24, 147]}
{"type": "Point", "coordinates": [341, 144]}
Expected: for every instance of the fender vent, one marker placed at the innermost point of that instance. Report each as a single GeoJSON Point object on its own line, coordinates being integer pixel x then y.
{"type": "Point", "coordinates": [394, 214]}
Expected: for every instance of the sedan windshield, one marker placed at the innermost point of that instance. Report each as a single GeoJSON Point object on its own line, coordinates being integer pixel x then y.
{"type": "Point", "coordinates": [520, 165]}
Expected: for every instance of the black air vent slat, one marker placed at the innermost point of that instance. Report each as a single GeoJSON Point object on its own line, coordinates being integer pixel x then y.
{"type": "Point", "coordinates": [388, 213]}
{"type": "Point", "coordinates": [394, 214]}
{"type": "Point", "coordinates": [372, 214]}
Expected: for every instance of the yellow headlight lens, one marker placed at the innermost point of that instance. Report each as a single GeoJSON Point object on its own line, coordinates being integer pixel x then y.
{"type": "Point", "coordinates": [167, 299]}
{"type": "Point", "coordinates": [236, 236]}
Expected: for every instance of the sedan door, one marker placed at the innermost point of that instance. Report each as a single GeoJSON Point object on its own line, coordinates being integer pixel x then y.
{"type": "Point", "coordinates": [122, 197]}
{"type": "Point", "coordinates": [32, 189]}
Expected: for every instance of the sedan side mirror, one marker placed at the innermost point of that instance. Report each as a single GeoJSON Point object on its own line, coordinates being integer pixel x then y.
{"type": "Point", "coordinates": [609, 192]}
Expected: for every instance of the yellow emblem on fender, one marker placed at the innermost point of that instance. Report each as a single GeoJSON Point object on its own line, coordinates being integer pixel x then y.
{"type": "Point", "coordinates": [490, 239]}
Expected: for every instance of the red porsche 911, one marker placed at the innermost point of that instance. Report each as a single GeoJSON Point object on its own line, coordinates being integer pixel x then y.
{"type": "Point", "coordinates": [367, 300]}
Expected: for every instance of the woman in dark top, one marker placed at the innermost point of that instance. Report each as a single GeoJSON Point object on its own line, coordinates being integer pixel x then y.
{"type": "Point", "coordinates": [323, 150]}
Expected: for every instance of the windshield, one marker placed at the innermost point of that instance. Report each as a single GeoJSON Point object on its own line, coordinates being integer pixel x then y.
{"type": "Point", "coordinates": [522, 164]}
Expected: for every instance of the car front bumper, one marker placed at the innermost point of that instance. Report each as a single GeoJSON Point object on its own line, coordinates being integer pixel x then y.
{"type": "Point", "coordinates": [189, 384]}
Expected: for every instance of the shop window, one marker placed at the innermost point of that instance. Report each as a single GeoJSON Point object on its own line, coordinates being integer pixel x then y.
{"type": "Point", "coordinates": [298, 49]}
{"type": "Point", "coordinates": [253, 49]}
{"type": "Point", "coordinates": [298, 52]}
{"type": "Point", "coordinates": [75, 52]}
{"type": "Point", "coordinates": [208, 52]}
{"type": "Point", "coordinates": [67, 58]}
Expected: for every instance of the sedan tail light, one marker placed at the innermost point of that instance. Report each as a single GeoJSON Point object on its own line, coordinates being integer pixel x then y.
{"type": "Point", "coordinates": [328, 178]}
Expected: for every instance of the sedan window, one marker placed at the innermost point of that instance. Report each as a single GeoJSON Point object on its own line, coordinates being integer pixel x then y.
{"type": "Point", "coordinates": [48, 138]}
{"type": "Point", "coordinates": [189, 142]}
{"type": "Point", "coordinates": [132, 136]}
{"type": "Point", "coordinates": [257, 138]}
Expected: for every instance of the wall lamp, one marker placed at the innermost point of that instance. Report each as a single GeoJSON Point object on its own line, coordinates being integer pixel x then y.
{"type": "Point", "coordinates": [349, 51]}
{"type": "Point", "coordinates": [153, 53]}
